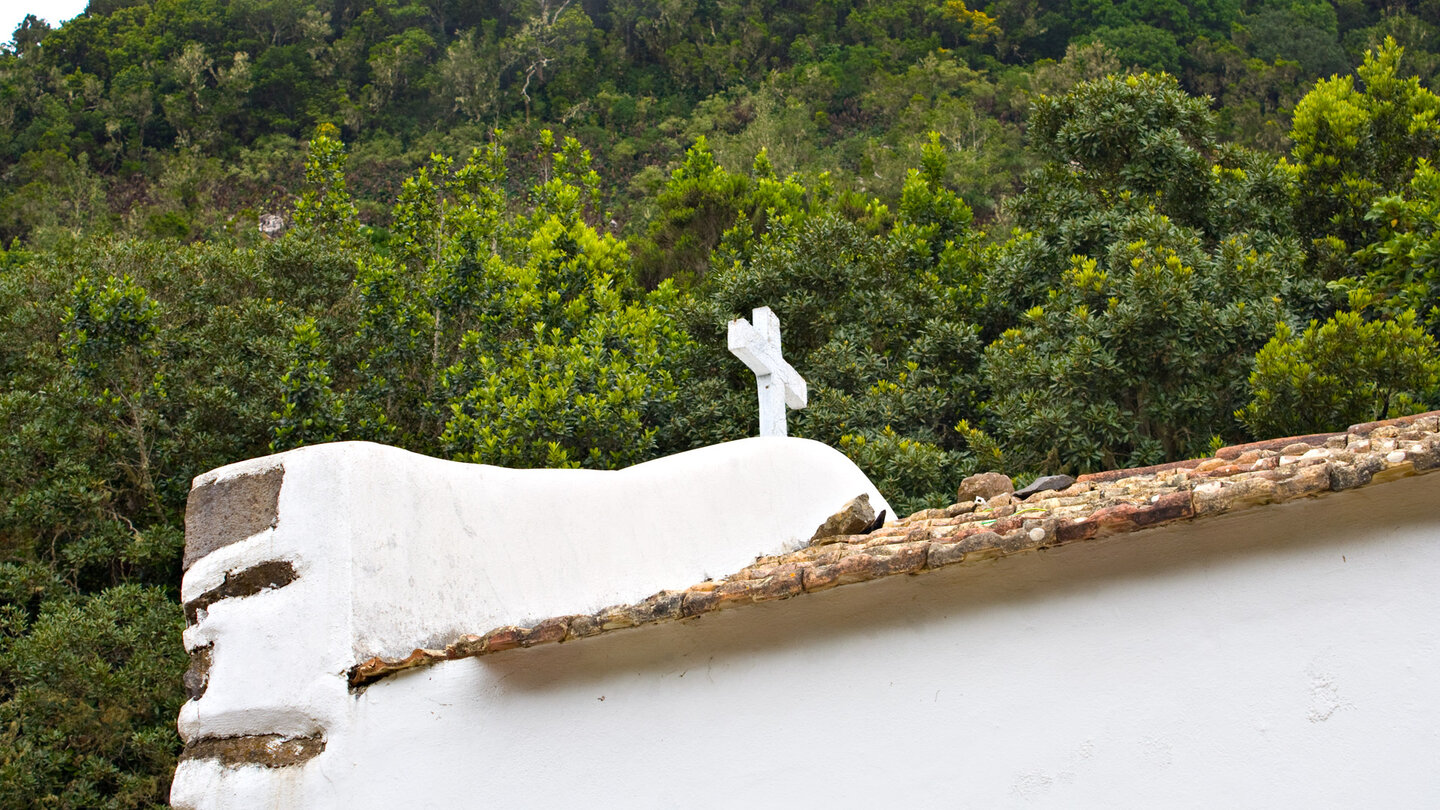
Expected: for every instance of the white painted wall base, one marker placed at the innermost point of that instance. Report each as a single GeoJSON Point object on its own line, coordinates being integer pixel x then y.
{"type": "Point", "coordinates": [1280, 657]}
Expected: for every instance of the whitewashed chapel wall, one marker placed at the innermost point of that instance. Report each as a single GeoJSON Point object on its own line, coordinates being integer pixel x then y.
{"type": "Point", "coordinates": [302, 564]}
{"type": "Point", "coordinates": [1281, 656]}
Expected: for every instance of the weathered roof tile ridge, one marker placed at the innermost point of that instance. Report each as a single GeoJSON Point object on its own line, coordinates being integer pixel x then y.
{"type": "Point", "coordinates": [1096, 505]}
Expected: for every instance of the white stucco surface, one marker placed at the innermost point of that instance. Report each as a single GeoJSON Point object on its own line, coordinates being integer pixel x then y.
{"type": "Point", "coordinates": [1279, 657]}
{"type": "Point", "coordinates": [395, 550]}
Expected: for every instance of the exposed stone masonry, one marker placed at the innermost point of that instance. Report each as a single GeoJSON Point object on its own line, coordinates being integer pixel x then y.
{"type": "Point", "coordinates": [197, 675]}
{"type": "Point", "coordinates": [224, 512]}
{"type": "Point", "coordinates": [266, 750]}
{"type": "Point", "coordinates": [1096, 505]}
{"type": "Point", "coordinates": [266, 576]}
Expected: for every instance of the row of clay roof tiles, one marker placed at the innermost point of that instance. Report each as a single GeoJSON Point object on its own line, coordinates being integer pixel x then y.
{"type": "Point", "coordinates": [1096, 505]}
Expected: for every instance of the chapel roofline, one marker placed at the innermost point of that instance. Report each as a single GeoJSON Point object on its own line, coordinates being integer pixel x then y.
{"type": "Point", "coordinates": [1237, 478]}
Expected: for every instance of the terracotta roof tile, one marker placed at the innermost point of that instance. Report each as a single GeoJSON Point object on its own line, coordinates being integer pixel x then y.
{"type": "Point", "coordinates": [1097, 505]}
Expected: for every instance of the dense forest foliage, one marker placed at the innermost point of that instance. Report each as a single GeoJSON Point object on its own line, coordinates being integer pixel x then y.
{"type": "Point", "coordinates": [1036, 237]}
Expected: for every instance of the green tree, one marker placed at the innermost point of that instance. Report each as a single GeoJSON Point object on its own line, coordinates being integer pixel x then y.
{"type": "Point", "coordinates": [499, 332]}
{"type": "Point", "coordinates": [326, 201]}
{"type": "Point", "coordinates": [1342, 372]}
{"type": "Point", "coordinates": [1124, 148]}
{"type": "Point", "coordinates": [699, 203]}
{"type": "Point", "coordinates": [109, 339]}
{"type": "Point", "coordinates": [470, 75]}
{"type": "Point", "coordinates": [1405, 258]}
{"type": "Point", "coordinates": [1149, 266]}
{"type": "Point", "coordinates": [564, 372]}
{"type": "Point", "coordinates": [1304, 32]}
{"type": "Point", "coordinates": [1139, 359]}
{"type": "Point", "coordinates": [1139, 134]}
{"type": "Point", "coordinates": [416, 302]}
{"type": "Point", "coordinates": [54, 197]}
{"type": "Point", "coordinates": [1354, 144]}
{"type": "Point", "coordinates": [310, 410]}
{"type": "Point", "coordinates": [553, 34]}
{"type": "Point", "coordinates": [1143, 46]}
{"type": "Point", "coordinates": [88, 697]}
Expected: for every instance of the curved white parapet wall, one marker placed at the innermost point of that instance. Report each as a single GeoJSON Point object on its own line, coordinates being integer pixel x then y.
{"type": "Point", "coordinates": [391, 550]}
{"type": "Point", "coordinates": [1276, 657]}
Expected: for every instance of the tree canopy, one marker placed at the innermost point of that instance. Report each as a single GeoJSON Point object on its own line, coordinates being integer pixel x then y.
{"type": "Point", "coordinates": [1030, 237]}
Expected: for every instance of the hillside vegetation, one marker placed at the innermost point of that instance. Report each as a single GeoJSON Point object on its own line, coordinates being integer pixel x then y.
{"type": "Point", "coordinates": [1034, 237]}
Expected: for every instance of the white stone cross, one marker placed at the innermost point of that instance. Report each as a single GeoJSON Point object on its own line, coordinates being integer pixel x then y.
{"type": "Point", "coordinates": [758, 345]}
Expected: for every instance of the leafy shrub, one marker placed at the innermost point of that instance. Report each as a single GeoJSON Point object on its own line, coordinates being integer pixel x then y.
{"type": "Point", "coordinates": [1344, 371]}
{"type": "Point", "coordinates": [88, 697]}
